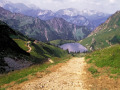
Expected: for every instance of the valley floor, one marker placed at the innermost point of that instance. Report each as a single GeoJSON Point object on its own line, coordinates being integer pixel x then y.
{"type": "Point", "coordinates": [69, 76]}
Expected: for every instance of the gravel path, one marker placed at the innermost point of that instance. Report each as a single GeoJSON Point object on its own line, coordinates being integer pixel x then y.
{"type": "Point", "coordinates": [68, 77]}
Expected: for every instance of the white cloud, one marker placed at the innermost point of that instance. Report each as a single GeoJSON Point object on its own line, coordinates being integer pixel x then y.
{"type": "Point", "coordinates": [73, 0]}
{"type": "Point", "coordinates": [111, 1]}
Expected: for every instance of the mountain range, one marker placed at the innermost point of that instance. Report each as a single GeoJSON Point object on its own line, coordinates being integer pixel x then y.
{"type": "Point", "coordinates": [89, 18]}
{"type": "Point", "coordinates": [56, 28]}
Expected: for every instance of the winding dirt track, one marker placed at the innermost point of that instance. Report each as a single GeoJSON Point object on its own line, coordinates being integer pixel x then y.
{"type": "Point", "coordinates": [68, 77]}
{"type": "Point", "coordinates": [29, 47]}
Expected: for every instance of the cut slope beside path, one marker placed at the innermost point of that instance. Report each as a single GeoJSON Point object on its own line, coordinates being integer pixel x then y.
{"type": "Point", "coordinates": [70, 76]}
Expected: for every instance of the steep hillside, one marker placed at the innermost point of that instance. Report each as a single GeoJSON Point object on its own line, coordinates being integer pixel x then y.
{"type": "Point", "coordinates": [105, 35]}
{"type": "Point", "coordinates": [18, 51]}
{"type": "Point", "coordinates": [42, 30]}
{"type": "Point", "coordinates": [8, 47]}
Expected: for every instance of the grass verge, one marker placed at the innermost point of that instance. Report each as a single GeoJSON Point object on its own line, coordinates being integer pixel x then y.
{"type": "Point", "coordinates": [108, 58]}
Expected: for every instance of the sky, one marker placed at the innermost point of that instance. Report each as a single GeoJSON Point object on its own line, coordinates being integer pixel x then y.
{"type": "Point", "coordinates": [106, 6]}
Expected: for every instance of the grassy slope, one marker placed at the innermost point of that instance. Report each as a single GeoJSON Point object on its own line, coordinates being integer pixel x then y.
{"type": "Point", "coordinates": [108, 57]}
{"type": "Point", "coordinates": [60, 42]}
{"type": "Point", "coordinates": [41, 51]}
{"type": "Point", "coordinates": [22, 44]}
{"type": "Point", "coordinates": [100, 39]}
{"type": "Point", "coordinates": [106, 31]}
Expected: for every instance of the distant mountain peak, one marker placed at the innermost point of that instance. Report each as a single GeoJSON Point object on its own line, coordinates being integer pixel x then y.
{"type": "Point", "coordinates": [71, 9]}
{"type": "Point", "coordinates": [75, 12]}
{"type": "Point", "coordinates": [68, 11]}
{"type": "Point", "coordinates": [89, 18]}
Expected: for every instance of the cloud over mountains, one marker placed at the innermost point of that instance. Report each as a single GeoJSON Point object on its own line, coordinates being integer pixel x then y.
{"type": "Point", "coordinates": [107, 6]}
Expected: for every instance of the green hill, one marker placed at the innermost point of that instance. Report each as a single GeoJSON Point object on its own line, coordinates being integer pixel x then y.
{"type": "Point", "coordinates": [105, 35]}
{"type": "Point", "coordinates": [60, 42]}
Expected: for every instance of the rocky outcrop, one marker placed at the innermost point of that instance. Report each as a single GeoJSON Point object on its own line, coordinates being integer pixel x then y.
{"type": "Point", "coordinates": [15, 64]}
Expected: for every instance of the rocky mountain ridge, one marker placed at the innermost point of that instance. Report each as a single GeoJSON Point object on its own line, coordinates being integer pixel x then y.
{"type": "Point", "coordinates": [89, 18]}
{"type": "Point", "coordinates": [43, 30]}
